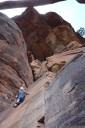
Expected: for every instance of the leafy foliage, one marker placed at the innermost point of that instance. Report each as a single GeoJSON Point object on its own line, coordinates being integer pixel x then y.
{"type": "Point", "coordinates": [81, 31]}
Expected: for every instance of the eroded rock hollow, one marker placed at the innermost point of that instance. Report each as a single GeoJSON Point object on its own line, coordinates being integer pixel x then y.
{"type": "Point", "coordinates": [46, 34]}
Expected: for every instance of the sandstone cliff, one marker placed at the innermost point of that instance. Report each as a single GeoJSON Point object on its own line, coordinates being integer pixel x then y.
{"type": "Point", "coordinates": [59, 104]}
{"type": "Point", "coordinates": [14, 65]}
{"type": "Point", "coordinates": [52, 55]}
{"type": "Point", "coordinates": [45, 34]}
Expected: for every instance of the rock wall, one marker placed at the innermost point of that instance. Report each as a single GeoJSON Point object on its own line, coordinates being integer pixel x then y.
{"type": "Point", "coordinates": [14, 65]}
{"type": "Point", "coordinates": [45, 34]}
{"type": "Point", "coordinates": [65, 104]}
{"type": "Point", "coordinates": [31, 112]}
{"type": "Point", "coordinates": [60, 104]}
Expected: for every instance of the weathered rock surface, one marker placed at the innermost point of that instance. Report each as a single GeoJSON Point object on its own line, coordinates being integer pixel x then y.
{"type": "Point", "coordinates": [65, 104]}
{"type": "Point", "coordinates": [57, 61]}
{"type": "Point", "coordinates": [43, 38]}
{"type": "Point", "coordinates": [58, 105]}
{"type": "Point", "coordinates": [46, 37]}
{"type": "Point", "coordinates": [45, 34]}
{"type": "Point", "coordinates": [35, 30]}
{"type": "Point", "coordinates": [14, 65]}
{"type": "Point", "coordinates": [31, 112]}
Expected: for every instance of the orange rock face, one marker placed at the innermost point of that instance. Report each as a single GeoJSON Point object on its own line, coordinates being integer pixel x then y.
{"type": "Point", "coordinates": [45, 34]}
{"type": "Point", "coordinates": [35, 31]}
{"type": "Point", "coordinates": [14, 65]}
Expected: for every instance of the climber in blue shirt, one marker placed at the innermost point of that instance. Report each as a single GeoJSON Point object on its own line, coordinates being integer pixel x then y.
{"type": "Point", "coordinates": [20, 96]}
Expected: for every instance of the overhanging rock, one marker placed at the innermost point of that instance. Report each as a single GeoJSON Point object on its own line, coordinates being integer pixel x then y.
{"type": "Point", "coordinates": [29, 3]}
{"type": "Point", "coordinates": [25, 3]}
{"type": "Point", "coordinates": [81, 1]}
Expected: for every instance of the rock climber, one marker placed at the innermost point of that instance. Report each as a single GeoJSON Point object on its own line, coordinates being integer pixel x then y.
{"type": "Point", "coordinates": [20, 96]}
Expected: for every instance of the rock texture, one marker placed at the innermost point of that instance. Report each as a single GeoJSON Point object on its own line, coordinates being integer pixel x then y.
{"type": "Point", "coordinates": [14, 65]}
{"type": "Point", "coordinates": [65, 98]}
{"type": "Point", "coordinates": [31, 112]}
{"type": "Point", "coordinates": [43, 37]}
{"type": "Point", "coordinates": [45, 34]}
{"type": "Point", "coordinates": [51, 43]}
{"type": "Point", "coordinates": [59, 104]}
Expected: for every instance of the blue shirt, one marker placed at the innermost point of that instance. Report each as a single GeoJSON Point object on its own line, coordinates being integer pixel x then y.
{"type": "Point", "coordinates": [21, 94]}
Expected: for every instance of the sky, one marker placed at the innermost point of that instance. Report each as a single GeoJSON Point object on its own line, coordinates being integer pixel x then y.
{"type": "Point", "coordinates": [69, 10]}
